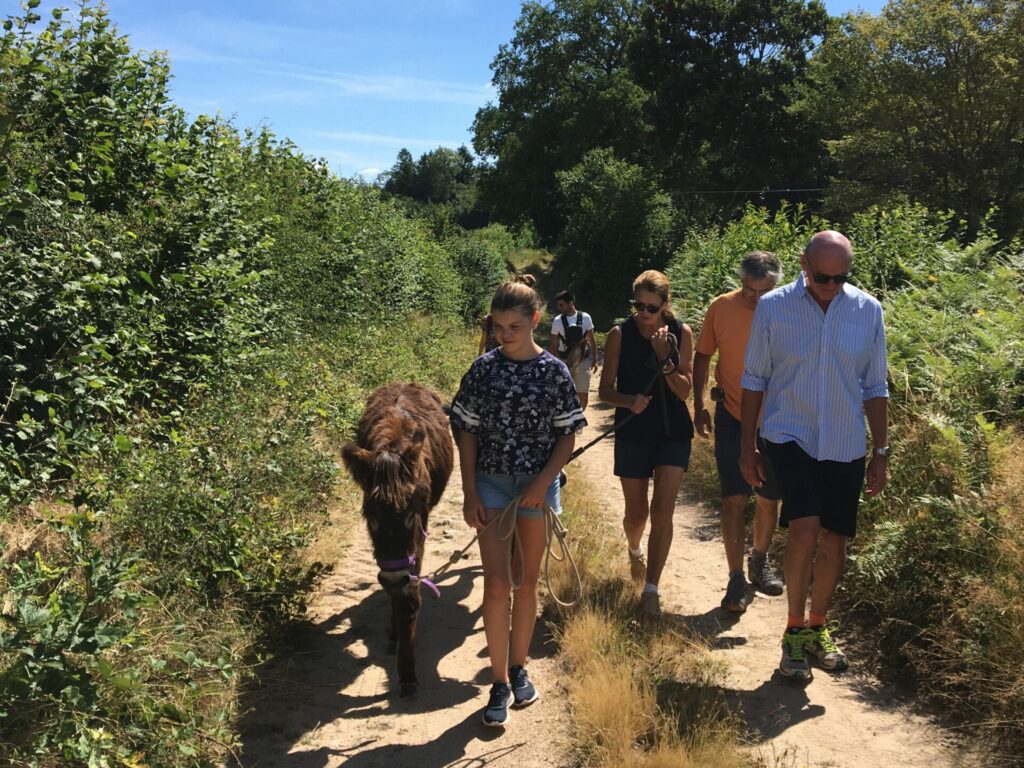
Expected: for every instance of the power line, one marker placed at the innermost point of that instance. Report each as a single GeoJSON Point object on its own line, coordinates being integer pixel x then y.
{"type": "Point", "coordinates": [747, 191]}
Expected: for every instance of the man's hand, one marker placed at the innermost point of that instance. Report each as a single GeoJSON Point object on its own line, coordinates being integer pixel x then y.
{"type": "Point", "coordinates": [702, 421]}
{"type": "Point", "coordinates": [878, 474]}
{"type": "Point", "coordinates": [752, 467]}
{"type": "Point", "coordinates": [593, 365]}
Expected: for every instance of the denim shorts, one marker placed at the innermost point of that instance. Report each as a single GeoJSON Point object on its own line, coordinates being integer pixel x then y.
{"type": "Point", "coordinates": [496, 491]}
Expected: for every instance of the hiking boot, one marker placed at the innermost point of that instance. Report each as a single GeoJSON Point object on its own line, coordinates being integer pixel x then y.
{"type": "Point", "coordinates": [735, 599]}
{"type": "Point", "coordinates": [794, 660]}
{"type": "Point", "coordinates": [496, 712]}
{"type": "Point", "coordinates": [637, 566]}
{"type": "Point", "coordinates": [650, 605]}
{"type": "Point", "coordinates": [523, 691]}
{"type": "Point", "coordinates": [823, 648]}
{"type": "Point", "coordinates": [761, 575]}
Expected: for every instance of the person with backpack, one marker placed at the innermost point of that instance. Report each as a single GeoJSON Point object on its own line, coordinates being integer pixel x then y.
{"type": "Point", "coordinates": [573, 340]}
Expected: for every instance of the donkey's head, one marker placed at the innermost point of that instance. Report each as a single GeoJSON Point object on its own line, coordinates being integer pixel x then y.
{"type": "Point", "coordinates": [396, 490]}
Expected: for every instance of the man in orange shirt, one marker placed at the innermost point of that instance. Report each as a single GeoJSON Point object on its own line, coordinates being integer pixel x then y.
{"type": "Point", "coordinates": [726, 329]}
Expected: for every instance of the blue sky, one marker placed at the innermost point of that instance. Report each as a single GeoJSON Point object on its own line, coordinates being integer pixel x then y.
{"type": "Point", "coordinates": [352, 81]}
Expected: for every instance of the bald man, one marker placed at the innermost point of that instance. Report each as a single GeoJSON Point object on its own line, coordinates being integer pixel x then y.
{"type": "Point", "coordinates": [815, 365]}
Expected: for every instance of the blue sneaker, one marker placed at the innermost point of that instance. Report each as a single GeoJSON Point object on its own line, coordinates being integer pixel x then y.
{"type": "Point", "coordinates": [496, 712]}
{"type": "Point", "coordinates": [523, 690]}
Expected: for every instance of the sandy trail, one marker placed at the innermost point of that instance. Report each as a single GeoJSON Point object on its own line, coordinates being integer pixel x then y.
{"type": "Point", "coordinates": [330, 700]}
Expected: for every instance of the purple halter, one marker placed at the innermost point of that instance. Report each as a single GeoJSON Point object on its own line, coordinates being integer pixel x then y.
{"type": "Point", "coordinates": [408, 562]}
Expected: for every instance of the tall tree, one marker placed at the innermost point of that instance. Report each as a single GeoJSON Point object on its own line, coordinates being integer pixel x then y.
{"type": "Point", "coordinates": [721, 74]}
{"type": "Point", "coordinates": [926, 102]}
{"type": "Point", "coordinates": [401, 179]}
{"type": "Point", "coordinates": [564, 87]}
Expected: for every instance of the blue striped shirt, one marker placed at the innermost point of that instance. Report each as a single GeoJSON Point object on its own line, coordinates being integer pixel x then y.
{"type": "Point", "coordinates": [817, 368]}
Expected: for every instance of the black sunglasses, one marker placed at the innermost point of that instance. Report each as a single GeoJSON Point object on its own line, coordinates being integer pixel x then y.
{"type": "Point", "coordinates": [639, 306]}
{"type": "Point", "coordinates": [825, 279]}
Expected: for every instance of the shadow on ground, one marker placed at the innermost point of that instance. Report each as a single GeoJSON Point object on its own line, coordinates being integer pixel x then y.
{"type": "Point", "coordinates": [309, 682]}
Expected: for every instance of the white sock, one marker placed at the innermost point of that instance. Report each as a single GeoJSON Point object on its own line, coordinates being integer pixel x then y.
{"type": "Point", "coordinates": [648, 587]}
{"type": "Point", "coordinates": [635, 552]}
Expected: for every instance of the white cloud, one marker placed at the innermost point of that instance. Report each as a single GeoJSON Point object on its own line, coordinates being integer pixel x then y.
{"type": "Point", "coordinates": [389, 87]}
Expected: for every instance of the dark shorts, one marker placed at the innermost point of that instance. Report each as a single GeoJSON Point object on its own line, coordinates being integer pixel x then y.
{"type": "Point", "coordinates": [828, 490]}
{"type": "Point", "coordinates": [638, 459]}
{"type": "Point", "coordinates": [727, 457]}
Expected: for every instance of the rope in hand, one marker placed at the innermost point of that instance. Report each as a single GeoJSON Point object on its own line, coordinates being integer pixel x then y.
{"type": "Point", "coordinates": [505, 523]}
{"type": "Point", "coordinates": [553, 528]}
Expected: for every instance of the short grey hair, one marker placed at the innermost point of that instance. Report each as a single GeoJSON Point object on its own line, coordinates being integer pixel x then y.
{"type": "Point", "coordinates": [757, 265]}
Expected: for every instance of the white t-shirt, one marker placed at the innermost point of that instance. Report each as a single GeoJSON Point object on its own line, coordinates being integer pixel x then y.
{"type": "Point", "coordinates": [557, 330]}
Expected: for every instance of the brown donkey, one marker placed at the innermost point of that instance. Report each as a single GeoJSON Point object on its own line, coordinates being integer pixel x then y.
{"type": "Point", "coordinates": [401, 458]}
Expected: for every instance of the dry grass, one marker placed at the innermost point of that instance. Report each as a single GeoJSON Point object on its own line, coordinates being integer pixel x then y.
{"type": "Point", "coordinates": [332, 539]}
{"type": "Point", "coordinates": [642, 696]}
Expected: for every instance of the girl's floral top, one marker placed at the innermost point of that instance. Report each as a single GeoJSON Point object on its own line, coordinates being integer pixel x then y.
{"type": "Point", "coordinates": [517, 409]}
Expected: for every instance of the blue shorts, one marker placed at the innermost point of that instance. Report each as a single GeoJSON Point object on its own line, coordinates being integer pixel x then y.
{"type": "Point", "coordinates": [727, 457]}
{"type": "Point", "coordinates": [497, 491]}
{"type": "Point", "coordinates": [638, 460]}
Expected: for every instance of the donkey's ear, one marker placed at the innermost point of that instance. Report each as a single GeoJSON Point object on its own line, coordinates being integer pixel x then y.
{"type": "Point", "coordinates": [360, 464]}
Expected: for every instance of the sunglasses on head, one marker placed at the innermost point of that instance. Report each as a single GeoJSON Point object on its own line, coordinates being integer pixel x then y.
{"type": "Point", "coordinates": [639, 306]}
{"type": "Point", "coordinates": [825, 279]}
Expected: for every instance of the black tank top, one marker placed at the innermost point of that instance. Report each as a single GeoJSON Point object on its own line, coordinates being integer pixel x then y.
{"type": "Point", "coordinates": [666, 416]}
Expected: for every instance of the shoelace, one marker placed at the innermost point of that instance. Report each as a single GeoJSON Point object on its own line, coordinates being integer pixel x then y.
{"type": "Point", "coordinates": [519, 678]}
{"type": "Point", "coordinates": [795, 642]}
{"type": "Point", "coordinates": [499, 696]}
{"type": "Point", "coordinates": [825, 639]}
{"type": "Point", "coordinates": [765, 572]}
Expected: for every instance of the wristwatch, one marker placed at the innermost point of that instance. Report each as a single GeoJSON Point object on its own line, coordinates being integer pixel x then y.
{"type": "Point", "coordinates": [883, 451]}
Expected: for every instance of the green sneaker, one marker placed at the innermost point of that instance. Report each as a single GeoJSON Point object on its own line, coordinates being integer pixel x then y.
{"type": "Point", "coordinates": [823, 648]}
{"type": "Point", "coordinates": [794, 661]}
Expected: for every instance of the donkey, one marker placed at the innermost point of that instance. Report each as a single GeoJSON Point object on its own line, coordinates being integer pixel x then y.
{"type": "Point", "coordinates": [402, 458]}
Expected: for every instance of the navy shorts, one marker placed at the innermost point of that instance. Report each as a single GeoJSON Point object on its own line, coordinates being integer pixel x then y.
{"type": "Point", "coordinates": [727, 457]}
{"type": "Point", "coordinates": [638, 459]}
{"type": "Point", "coordinates": [828, 490]}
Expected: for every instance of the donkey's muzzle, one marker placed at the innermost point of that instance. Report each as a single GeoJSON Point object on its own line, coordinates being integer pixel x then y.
{"type": "Point", "coordinates": [394, 581]}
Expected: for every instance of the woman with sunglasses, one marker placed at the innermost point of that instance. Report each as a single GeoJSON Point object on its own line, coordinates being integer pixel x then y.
{"type": "Point", "coordinates": [655, 441]}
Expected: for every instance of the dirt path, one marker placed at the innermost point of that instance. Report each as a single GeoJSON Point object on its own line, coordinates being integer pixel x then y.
{"type": "Point", "coordinates": [329, 701]}
{"type": "Point", "coordinates": [845, 721]}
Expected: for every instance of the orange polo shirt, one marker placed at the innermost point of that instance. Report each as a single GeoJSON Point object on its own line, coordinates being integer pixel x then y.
{"type": "Point", "coordinates": [726, 329]}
